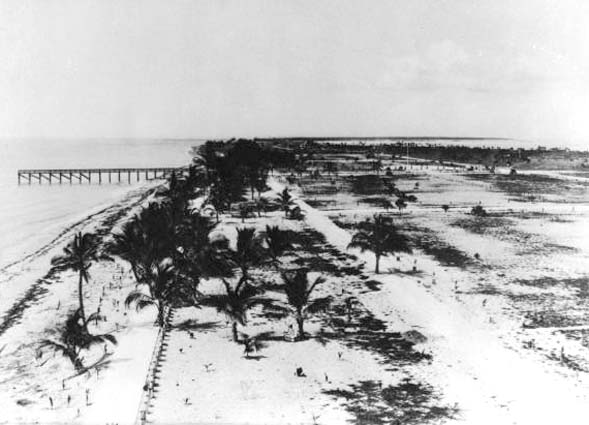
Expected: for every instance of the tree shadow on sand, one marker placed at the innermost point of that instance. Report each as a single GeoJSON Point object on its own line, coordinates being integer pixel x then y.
{"type": "Point", "coordinates": [359, 328]}
{"type": "Point", "coordinates": [192, 325]}
{"type": "Point", "coordinates": [406, 403]}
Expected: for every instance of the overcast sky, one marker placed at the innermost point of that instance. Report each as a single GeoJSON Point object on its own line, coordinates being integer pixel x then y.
{"type": "Point", "coordinates": [277, 68]}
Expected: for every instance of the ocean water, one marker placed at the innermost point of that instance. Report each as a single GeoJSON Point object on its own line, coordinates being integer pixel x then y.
{"type": "Point", "coordinates": [32, 215]}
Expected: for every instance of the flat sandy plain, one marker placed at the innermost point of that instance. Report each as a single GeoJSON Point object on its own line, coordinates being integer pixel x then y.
{"type": "Point", "coordinates": [484, 323]}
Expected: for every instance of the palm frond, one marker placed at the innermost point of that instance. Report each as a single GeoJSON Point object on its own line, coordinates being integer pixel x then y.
{"type": "Point", "coordinates": [317, 281]}
{"type": "Point", "coordinates": [140, 300]}
{"type": "Point", "coordinates": [91, 340]}
{"type": "Point", "coordinates": [318, 305]}
{"type": "Point", "coordinates": [95, 316]}
{"type": "Point", "coordinates": [54, 344]}
{"type": "Point", "coordinates": [277, 310]}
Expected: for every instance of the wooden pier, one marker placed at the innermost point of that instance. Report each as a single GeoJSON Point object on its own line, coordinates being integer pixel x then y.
{"type": "Point", "coordinates": [100, 175]}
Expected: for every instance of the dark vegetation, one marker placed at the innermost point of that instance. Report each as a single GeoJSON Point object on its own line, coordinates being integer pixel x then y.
{"type": "Point", "coordinates": [379, 236]}
{"type": "Point", "coordinates": [167, 244]}
{"type": "Point", "coordinates": [530, 188]}
{"type": "Point", "coordinates": [405, 403]}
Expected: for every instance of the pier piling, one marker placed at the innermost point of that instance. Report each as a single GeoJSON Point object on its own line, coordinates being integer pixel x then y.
{"type": "Point", "coordinates": [60, 175]}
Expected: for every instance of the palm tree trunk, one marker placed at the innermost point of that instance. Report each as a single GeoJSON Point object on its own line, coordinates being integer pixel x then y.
{"type": "Point", "coordinates": [376, 269]}
{"type": "Point", "coordinates": [160, 314]}
{"type": "Point", "coordinates": [300, 323]}
{"type": "Point", "coordinates": [78, 365]}
{"type": "Point", "coordinates": [81, 299]}
{"type": "Point", "coordinates": [234, 331]}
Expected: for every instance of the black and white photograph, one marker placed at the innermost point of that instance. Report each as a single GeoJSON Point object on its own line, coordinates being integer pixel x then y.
{"type": "Point", "coordinates": [294, 212]}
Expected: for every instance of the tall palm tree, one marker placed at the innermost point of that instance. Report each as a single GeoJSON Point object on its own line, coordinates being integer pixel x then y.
{"type": "Point", "coordinates": [286, 201]}
{"type": "Point", "coordinates": [194, 231]}
{"type": "Point", "coordinates": [298, 292]}
{"type": "Point", "coordinates": [128, 245]}
{"type": "Point", "coordinates": [277, 241]}
{"type": "Point", "coordinates": [235, 302]}
{"type": "Point", "coordinates": [217, 199]}
{"type": "Point", "coordinates": [262, 205]}
{"type": "Point", "coordinates": [78, 256]}
{"type": "Point", "coordinates": [249, 251]}
{"type": "Point", "coordinates": [206, 156]}
{"type": "Point", "coordinates": [160, 286]}
{"type": "Point", "coordinates": [381, 237]}
{"type": "Point", "coordinates": [74, 338]}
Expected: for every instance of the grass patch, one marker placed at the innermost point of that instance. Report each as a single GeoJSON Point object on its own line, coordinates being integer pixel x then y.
{"type": "Point", "coordinates": [481, 225]}
{"type": "Point", "coordinates": [528, 188]}
{"type": "Point", "coordinates": [446, 254]}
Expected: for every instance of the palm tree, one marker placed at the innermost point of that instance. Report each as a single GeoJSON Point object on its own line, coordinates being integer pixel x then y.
{"type": "Point", "coordinates": [218, 199]}
{"type": "Point", "coordinates": [235, 303]}
{"type": "Point", "coordinates": [445, 207]}
{"type": "Point", "coordinates": [380, 237]}
{"type": "Point", "coordinates": [160, 285]}
{"type": "Point", "coordinates": [245, 211]}
{"type": "Point", "coordinates": [286, 201]}
{"type": "Point", "coordinates": [74, 338]}
{"type": "Point", "coordinates": [194, 231]}
{"type": "Point", "coordinates": [377, 166]}
{"type": "Point", "coordinates": [78, 256]}
{"type": "Point", "coordinates": [478, 211]}
{"type": "Point", "coordinates": [277, 241]}
{"type": "Point", "coordinates": [401, 204]}
{"type": "Point", "coordinates": [249, 251]}
{"type": "Point", "coordinates": [206, 157]}
{"type": "Point", "coordinates": [298, 291]}
{"type": "Point", "coordinates": [128, 245]}
{"type": "Point", "coordinates": [261, 205]}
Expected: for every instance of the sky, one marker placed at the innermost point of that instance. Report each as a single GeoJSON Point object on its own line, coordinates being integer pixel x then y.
{"type": "Point", "coordinates": [214, 69]}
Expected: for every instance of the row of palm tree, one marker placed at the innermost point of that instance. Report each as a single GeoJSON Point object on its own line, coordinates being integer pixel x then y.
{"type": "Point", "coordinates": [170, 248]}
{"type": "Point", "coordinates": [78, 256]}
{"type": "Point", "coordinates": [240, 298]}
{"type": "Point", "coordinates": [150, 242]}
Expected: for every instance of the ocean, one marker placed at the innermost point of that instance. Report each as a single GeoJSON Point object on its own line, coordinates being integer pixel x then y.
{"type": "Point", "coordinates": [32, 215]}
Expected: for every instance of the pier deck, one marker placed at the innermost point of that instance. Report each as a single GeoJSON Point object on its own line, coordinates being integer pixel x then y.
{"type": "Point", "coordinates": [106, 175]}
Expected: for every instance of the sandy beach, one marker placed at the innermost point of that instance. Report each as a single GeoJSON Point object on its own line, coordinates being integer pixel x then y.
{"type": "Point", "coordinates": [483, 322]}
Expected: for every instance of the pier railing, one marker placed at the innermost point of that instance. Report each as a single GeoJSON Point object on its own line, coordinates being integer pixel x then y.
{"type": "Point", "coordinates": [110, 175]}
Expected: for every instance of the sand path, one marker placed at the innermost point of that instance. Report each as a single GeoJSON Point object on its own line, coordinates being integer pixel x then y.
{"type": "Point", "coordinates": [491, 383]}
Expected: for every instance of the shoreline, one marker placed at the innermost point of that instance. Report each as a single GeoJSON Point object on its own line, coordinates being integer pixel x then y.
{"type": "Point", "coordinates": [453, 332]}
{"type": "Point", "coordinates": [31, 266]}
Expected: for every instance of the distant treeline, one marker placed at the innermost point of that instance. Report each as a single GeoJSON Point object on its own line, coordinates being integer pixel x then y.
{"type": "Point", "coordinates": [558, 158]}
